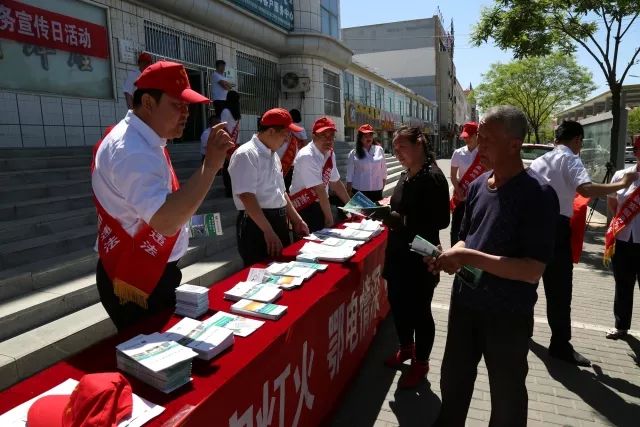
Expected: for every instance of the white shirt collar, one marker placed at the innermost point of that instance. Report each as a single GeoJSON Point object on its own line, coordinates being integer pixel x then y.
{"type": "Point", "coordinates": [263, 150]}
{"type": "Point", "coordinates": [148, 134]}
{"type": "Point", "coordinates": [316, 151]}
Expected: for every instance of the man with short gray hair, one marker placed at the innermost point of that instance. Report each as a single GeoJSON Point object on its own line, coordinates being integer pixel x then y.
{"type": "Point", "coordinates": [507, 233]}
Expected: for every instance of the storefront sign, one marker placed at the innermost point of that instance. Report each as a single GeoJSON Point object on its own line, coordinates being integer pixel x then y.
{"type": "Point", "coordinates": [278, 12]}
{"type": "Point", "coordinates": [358, 114]}
{"type": "Point", "coordinates": [40, 27]}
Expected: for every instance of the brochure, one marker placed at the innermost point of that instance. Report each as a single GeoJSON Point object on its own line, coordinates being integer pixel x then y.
{"type": "Point", "coordinates": [361, 205]}
{"type": "Point", "coordinates": [258, 309]}
{"type": "Point", "coordinates": [241, 326]}
{"type": "Point", "coordinates": [205, 225]}
{"type": "Point", "coordinates": [205, 338]}
{"type": "Point", "coordinates": [256, 291]}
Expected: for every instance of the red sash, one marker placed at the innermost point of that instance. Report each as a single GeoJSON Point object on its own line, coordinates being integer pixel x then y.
{"type": "Point", "coordinates": [626, 214]}
{"type": "Point", "coordinates": [304, 198]}
{"type": "Point", "coordinates": [289, 155]}
{"type": "Point", "coordinates": [475, 170]}
{"type": "Point", "coordinates": [578, 224]}
{"type": "Point", "coordinates": [134, 264]}
{"type": "Point", "coordinates": [234, 138]}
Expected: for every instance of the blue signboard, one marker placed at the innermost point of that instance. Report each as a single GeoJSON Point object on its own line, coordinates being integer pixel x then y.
{"type": "Point", "coordinates": [278, 12]}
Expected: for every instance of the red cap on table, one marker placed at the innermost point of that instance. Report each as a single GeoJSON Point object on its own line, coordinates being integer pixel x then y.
{"type": "Point", "coordinates": [99, 400]}
{"type": "Point", "coordinates": [366, 128]}
{"type": "Point", "coordinates": [279, 117]}
{"type": "Point", "coordinates": [469, 129]}
{"type": "Point", "coordinates": [172, 79]}
{"type": "Point", "coordinates": [322, 124]}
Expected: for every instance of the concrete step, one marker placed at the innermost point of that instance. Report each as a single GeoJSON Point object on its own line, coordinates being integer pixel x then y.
{"type": "Point", "coordinates": [30, 227]}
{"type": "Point", "coordinates": [38, 348]}
{"type": "Point", "coordinates": [12, 153]}
{"type": "Point", "coordinates": [10, 211]}
{"type": "Point", "coordinates": [17, 193]}
{"type": "Point", "coordinates": [32, 176]}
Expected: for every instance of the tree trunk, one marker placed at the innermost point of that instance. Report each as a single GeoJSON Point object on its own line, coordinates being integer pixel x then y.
{"type": "Point", "coordinates": [616, 89]}
{"type": "Point", "coordinates": [536, 132]}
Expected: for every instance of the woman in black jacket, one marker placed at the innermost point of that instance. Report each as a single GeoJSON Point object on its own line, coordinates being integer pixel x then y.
{"type": "Point", "coordinates": [419, 206]}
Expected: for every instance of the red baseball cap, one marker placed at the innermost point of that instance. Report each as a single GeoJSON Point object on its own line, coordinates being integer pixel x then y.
{"type": "Point", "coordinates": [172, 79]}
{"type": "Point", "coordinates": [98, 400]}
{"type": "Point", "coordinates": [279, 117]}
{"type": "Point", "coordinates": [366, 128]}
{"type": "Point", "coordinates": [469, 129]}
{"type": "Point", "coordinates": [322, 124]}
{"type": "Point", "coordinates": [145, 57]}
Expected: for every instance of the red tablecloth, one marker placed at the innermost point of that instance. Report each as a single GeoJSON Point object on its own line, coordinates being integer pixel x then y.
{"type": "Point", "coordinates": [289, 372]}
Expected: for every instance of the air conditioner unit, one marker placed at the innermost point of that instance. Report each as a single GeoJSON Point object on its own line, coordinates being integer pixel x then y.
{"type": "Point", "coordinates": [295, 80]}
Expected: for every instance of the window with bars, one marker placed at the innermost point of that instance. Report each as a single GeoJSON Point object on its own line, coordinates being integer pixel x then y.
{"type": "Point", "coordinates": [379, 97]}
{"type": "Point", "coordinates": [331, 93]}
{"type": "Point", "coordinates": [257, 83]}
{"type": "Point", "coordinates": [364, 87]}
{"type": "Point", "coordinates": [169, 43]}
{"type": "Point", "coordinates": [349, 86]}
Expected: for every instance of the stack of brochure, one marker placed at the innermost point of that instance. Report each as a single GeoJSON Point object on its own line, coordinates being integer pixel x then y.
{"type": "Point", "coordinates": [161, 363]}
{"type": "Point", "coordinates": [285, 282]}
{"type": "Point", "coordinates": [290, 269]}
{"type": "Point", "coordinates": [239, 325]}
{"type": "Point", "coordinates": [256, 291]}
{"type": "Point", "coordinates": [344, 233]}
{"type": "Point", "coordinates": [318, 251]}
{"type": "Point", "coordinates": [192, 301]}
{"type": "Point", "coordinates": [205, 338]}
{"type": "Point", "coordinates": [258, 309]}
{"type": "Point", "coordinates": [369, 225]}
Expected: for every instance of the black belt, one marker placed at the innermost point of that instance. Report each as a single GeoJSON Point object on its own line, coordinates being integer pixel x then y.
{"type": "Point", "coordinates": [276, 212]}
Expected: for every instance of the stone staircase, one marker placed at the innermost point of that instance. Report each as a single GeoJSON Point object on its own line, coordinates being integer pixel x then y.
{"type": "Point", "coordinates": [49, 304]}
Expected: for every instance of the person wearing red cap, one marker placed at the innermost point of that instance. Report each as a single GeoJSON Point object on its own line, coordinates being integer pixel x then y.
{"type": "Point", "coordinates": [259, 192]}
{"type": "Point", "coordinates": [366, 166]}
{"type": "Point", "coordinates": [142, 210]}
{"type": "Point", "coordinates": [144, 60]}
{"type": "Point", "coordinates": [315, 171]}
{"type": "Point", "coordinates": [624, 236]}
{"type": "Point", "coordinates": [465, 167]}
{"type": "Point", "coordinates": [99, 400]}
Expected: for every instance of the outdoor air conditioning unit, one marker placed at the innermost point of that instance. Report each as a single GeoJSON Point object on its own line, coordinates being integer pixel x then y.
{"type": "Point", "coordinates": [296, 80]}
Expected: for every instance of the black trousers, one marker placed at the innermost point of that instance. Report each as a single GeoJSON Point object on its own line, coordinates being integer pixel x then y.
{"type": "Point", "coordinates": [374, 196]}
{"type": "Point", "coordinates": [218, 106]}
{"type": "Point", "coordinates": [124, 315]}
{"type": "Point", "coordinates": [503, 340]}
{"type": "Point", "coordinates": [313, 216]}
{"type": "Point", "coordinates": [251, 243]}
{"type": "Point", "coordinates": [456, 221]}
{"type": "Point", "coordinates": [226, 179]}
{"type": "Point", "coordinates": [626, 272]}
{"type": "Point", "coordinates": [410, 302]}
{"type": "Point", "coordinates": [558, 286]}
{"type": "Point", "coordinates": [287, 179]}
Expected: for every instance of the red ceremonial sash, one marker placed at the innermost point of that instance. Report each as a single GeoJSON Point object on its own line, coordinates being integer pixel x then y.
{"type": "Point", "coordinates": [578, 224]}
{"type": "Point", "coordinates": [626, 214]}
{"type": "Point", "coordinates": [289, 155]}
{"type": "Point", "coordinates": [475, 170]}
{"type": "Point", "coordinates": [133, 263]}
{"type": "Point", "coordinates": [234, 138]}
{"type": "Point", "coordinates": [304, 198]}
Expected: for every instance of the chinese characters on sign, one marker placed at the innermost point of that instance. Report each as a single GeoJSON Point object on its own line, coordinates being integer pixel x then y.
{"type": "Point", "coordinates": [49, 30]}
{"type": "Point", "coordinates": [279, 12]}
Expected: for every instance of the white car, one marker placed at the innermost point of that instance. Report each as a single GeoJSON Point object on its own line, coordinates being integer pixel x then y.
{"type": "Point", "coordinates": [530, 152]}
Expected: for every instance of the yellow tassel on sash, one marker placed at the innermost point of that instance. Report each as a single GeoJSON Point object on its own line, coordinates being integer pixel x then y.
{"type": "Point", "coordinates": [129, 293]}
{"type": "Point", "coordinates": [608, 254]}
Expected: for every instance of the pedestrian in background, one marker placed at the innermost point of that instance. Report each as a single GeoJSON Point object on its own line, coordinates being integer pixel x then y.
{"type": "Point", "coordinates": [419, 206]}
{"type": "Point", "coordinates": [366, 166]}
{"type": "Point", "coordinates": [220, 86]}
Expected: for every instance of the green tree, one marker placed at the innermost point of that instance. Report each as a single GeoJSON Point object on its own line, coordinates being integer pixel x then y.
{"type": "Point", "coordinates": [539, 86]}
{"type": "Point", "coordinates": [537, 27]}
{"type": "Point", "coordinates": [633, 126]}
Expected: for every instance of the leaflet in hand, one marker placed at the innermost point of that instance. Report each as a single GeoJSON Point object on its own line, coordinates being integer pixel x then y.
{"type": "Point", "coordinates": [205, 225]}
{"type": "Point", "coordinates": [205, 338]}
{"type": "Point", "coordinates": [255, 291]}
{"type": "Point", "coordinates": [258, 309]}
{"type": "Point", "coordinates": [361, 205]}
{"type": "Point", "coordinates": [239, 325]}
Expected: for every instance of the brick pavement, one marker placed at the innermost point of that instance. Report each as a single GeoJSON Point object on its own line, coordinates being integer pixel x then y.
{"type": "Point", "coordinates": [608, 393]}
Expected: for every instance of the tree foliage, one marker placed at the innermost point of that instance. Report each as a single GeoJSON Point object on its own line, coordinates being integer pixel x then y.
{"type": "Point", "coordinates": [538, 27]}
{"type": "Point", "coordinates": [633, 126]}
{"type": "Point", "coordinates": [539, 86]}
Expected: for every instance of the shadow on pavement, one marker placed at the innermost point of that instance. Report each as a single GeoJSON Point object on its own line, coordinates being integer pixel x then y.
{"type": "Point", "coordinates": [634, 345]}
{"type": "Point", "coordinates": [417, 407]}
{"type": "Point", "coordinates": [593, 388]}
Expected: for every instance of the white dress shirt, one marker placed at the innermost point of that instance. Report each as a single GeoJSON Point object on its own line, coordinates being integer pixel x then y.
{"type": "Point", "coordinates": [219, 93]}
{"type": "Point", "coordinates": [621, 196]}
{"type": "Point", "coordinates": [302, 135]}
{"type": "Point", "coordinates": [368, 173]}
{"type": "Point", "coordinates": [132, 179]}
{"type": "Point", "coordinates": [129, 84]}
{"type": "Point", "coordinates": [462, 159]}
{"type": "Point", "coordinates": [255, 169]}
{"type": "Point", "coordinates": [307, 168]}
{"type": "Point", "coordinates": [565, 172]}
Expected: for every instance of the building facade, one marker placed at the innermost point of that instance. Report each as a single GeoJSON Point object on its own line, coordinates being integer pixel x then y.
{"type": "Point", "coordinates": [63, 62]}
{"type": "Point", "coordinates": [417, 54]}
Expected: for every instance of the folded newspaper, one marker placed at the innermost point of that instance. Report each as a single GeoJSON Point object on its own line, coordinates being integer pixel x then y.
{"type": "Point", "coordinates": [205, 225]}
{"type": "Point", "coordinates": [469, 275]}
{"type": "Point", "coordinates": [205, 338]}
{"type": "Point", "coordinates": [362, 206]}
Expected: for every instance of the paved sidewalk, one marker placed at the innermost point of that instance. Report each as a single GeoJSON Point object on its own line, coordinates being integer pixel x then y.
{"type": "Point", "coordinates": [608, 393]}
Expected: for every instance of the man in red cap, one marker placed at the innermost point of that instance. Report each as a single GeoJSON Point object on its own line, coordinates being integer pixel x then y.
{"type": "Point", "coordinates": [314, 172]}
{"type": "Point", "coordinates": [259, 192]}
{"type": "Point", "coordinates": [142, 211]}
{"type": "Point", "coordinates": [144, 60]}
{"type": "Point", "coordinates": [465, 167]}
{"type": "Point", "coordinates": [99, 400]}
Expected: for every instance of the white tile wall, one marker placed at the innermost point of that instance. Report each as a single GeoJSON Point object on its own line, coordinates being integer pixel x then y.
{"type": "Point", "coordinates": [10, 136]}
{"type": "Point", "coordinates": [92, 135]}
{"type": "Point", "coordinates": [29, 109]}
{"type": "Point", "coordinates": [74, 135]}
{"type": "Point", "coordinates": [72, 111]}
{"type": "Point", "coordinates": [32, 135]}
{"type": "Point", "coordinates": [8, 109]}
{"type": "Point", "coordinates": [55, 136]}
{"type": "Point", "coordinates": [52, 111]}
{"type": "Point", "coordinates": [90, 112]}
